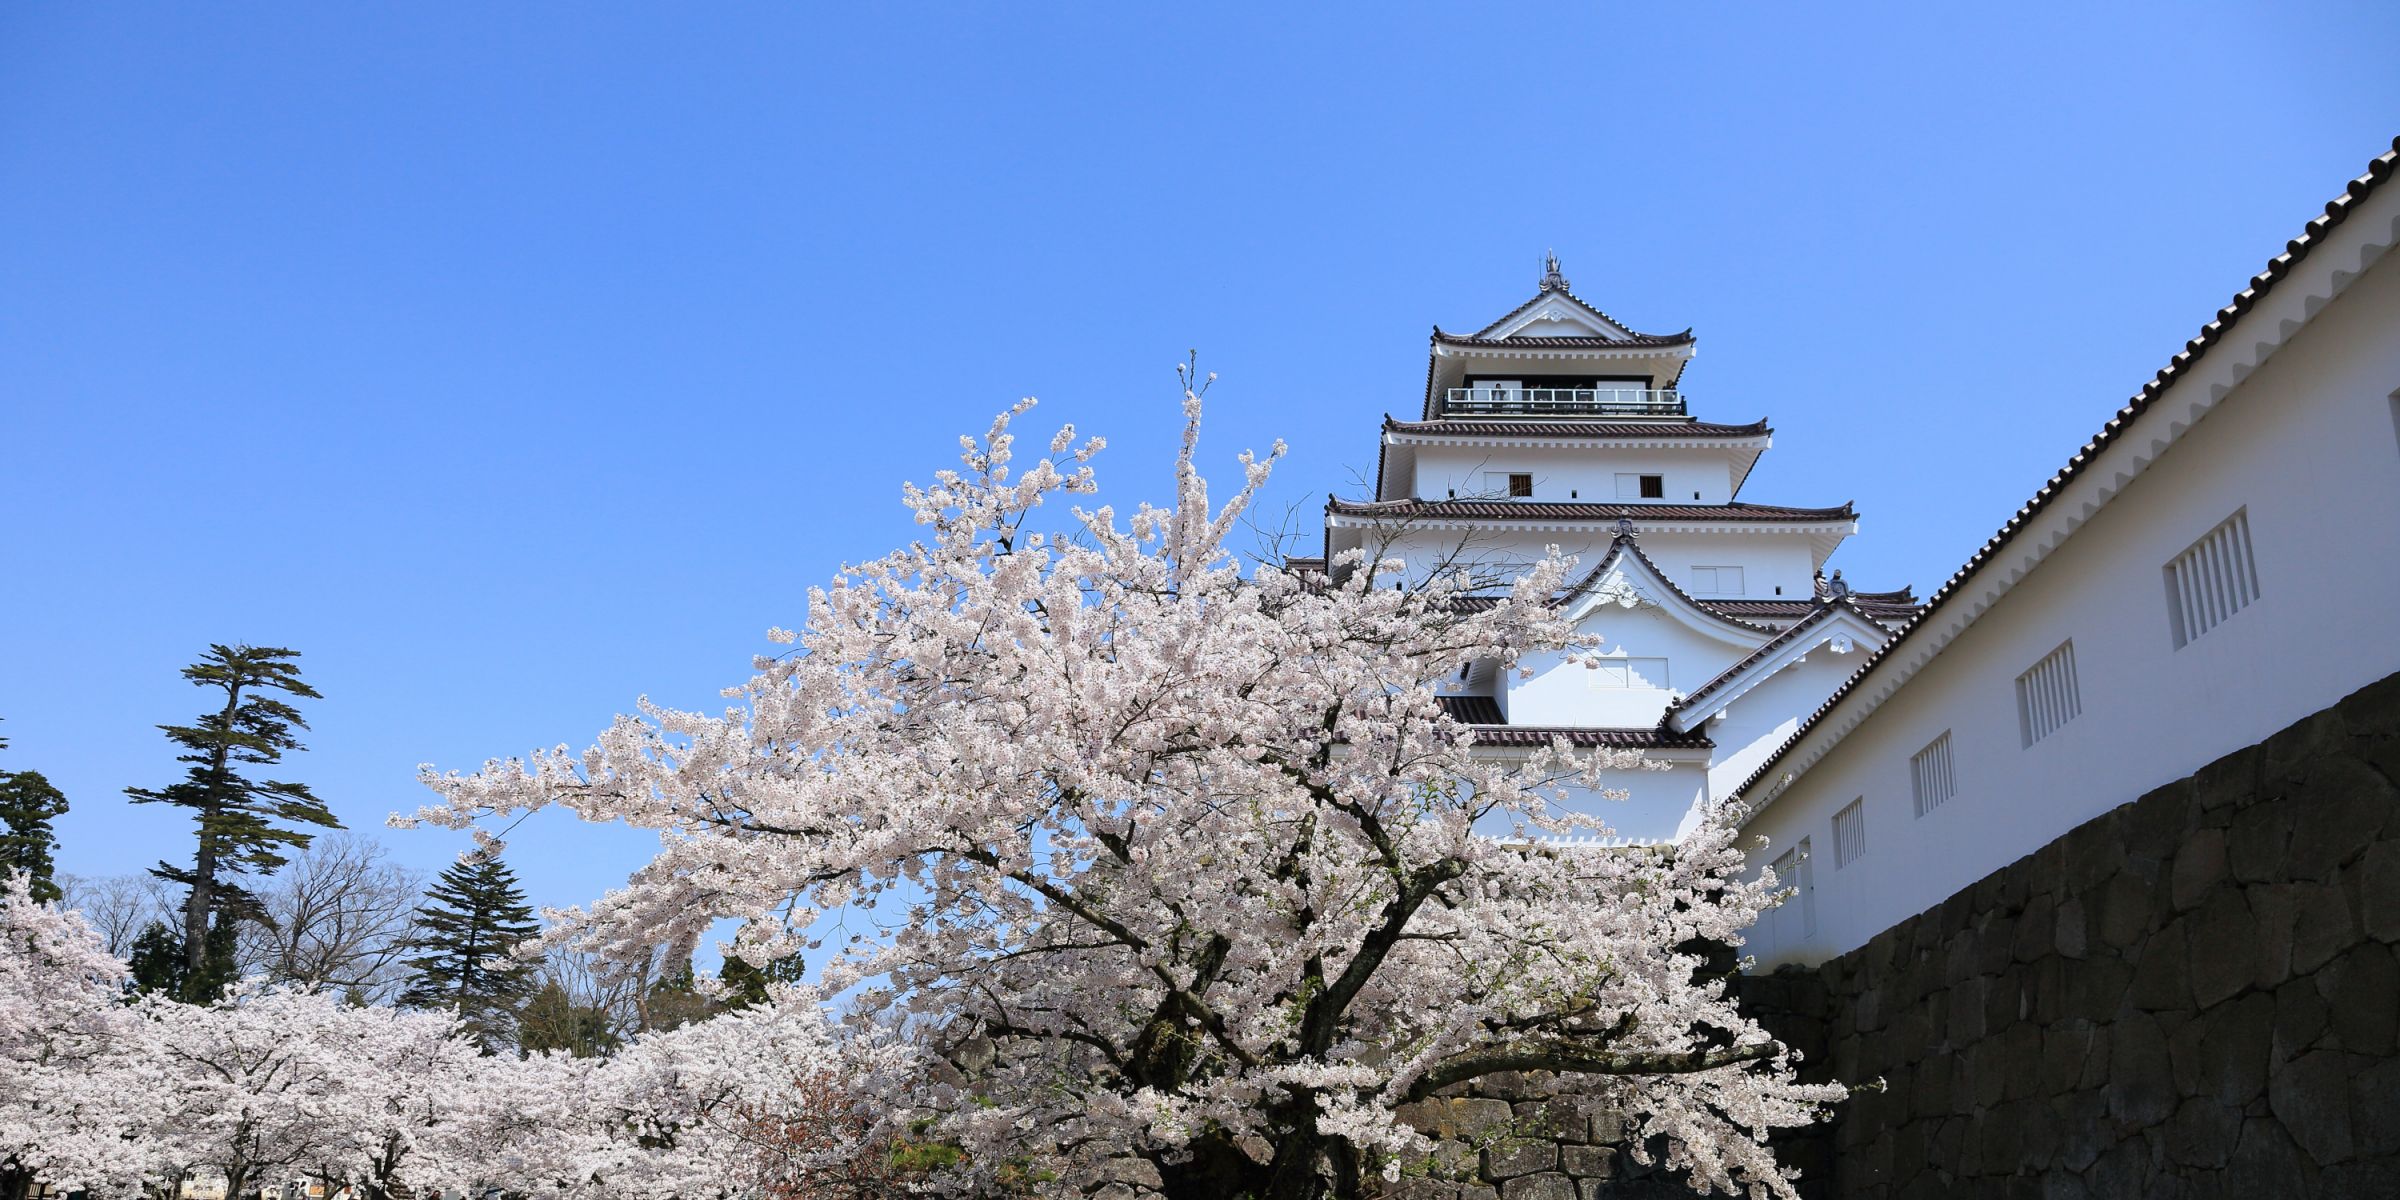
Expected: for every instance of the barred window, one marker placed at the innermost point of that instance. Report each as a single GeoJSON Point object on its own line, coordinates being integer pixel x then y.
{"type": "Point", "coordinates": [2212, 580]}
{"type": "Point", "coordinates": [1849, 833]}
{"type": "Point", "coordinates": [1931, 775]}
{"type": "Point", "coordinates": [2048, 695]}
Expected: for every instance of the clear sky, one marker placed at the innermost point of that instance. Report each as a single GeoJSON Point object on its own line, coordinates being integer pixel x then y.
{"type": "Point", "coordinates": [516, 361]}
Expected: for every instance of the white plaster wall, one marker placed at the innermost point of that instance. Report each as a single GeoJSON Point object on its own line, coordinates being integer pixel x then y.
{"type": "Point", "coordinates": [1769, 560]}
{"type": "Point", "coordinates": [2307, 444]}
{"type": "Point", "coordinates": [1657, 802]}
{"type": "Point", "coordinates": [1572, 475]}
{"type": "Point", "coordinates": [1762, 718]}
{"type": "Point", "coordinates": [1560, 691]}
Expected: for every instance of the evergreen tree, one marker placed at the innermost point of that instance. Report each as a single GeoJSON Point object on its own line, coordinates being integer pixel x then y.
{"type": "Point", "coordinates": [236, 817]}
{"type": "Point", "coordinates": [746, 985]}
{"type": "Point", "coordinates": [158, 962]}
{"type": "Point", "coordinates": [552, 1020]}
{"type": "Point", "coordinates": [465, 936]}
{"type": "Point", "coordinates": [28, 803]}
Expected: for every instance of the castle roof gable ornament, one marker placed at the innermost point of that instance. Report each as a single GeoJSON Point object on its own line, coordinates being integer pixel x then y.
{"type": "Point", "coordinates": [1625, 527]}
{"type": "Point", "coordinates": [1552, 280]}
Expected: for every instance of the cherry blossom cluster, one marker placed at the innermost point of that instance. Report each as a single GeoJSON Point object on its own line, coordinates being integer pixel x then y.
{"type": "Point", "coordinates": [1189, 878]}
{"type": "Point", "coordinates": [126, 1096]}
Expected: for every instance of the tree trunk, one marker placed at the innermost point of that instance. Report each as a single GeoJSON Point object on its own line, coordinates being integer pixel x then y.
{"type": "Point", "coordinates": [197, 906]}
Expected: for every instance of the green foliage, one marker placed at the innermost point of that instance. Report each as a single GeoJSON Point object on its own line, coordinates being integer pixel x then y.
{"type": "Point", "coordinates": [553, 1021]}
{"type": "Point", "coordinates": [465, 940]}
{"type": "Point", "coordinates": [746, 985]}
{"type": "Point", "coordinates": [159, 963]}
{"type": "Point", "coordinates": [28, 803]}
{"type": "Point", "coordinates": [243, 825]}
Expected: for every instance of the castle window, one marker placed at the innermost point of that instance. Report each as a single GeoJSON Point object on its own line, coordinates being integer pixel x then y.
{"type": "Point", "coordinates": [1616, 674]}
{"type": "Point", "coordinates": [2212, 580]}
{"type": "Point", "coordinates": [1850, 833]}
{"type": "Point", "coordinates": [2048, 694]}
{"type": "Point", "coordinates": [1632, 486]}
{"type": "Point", "coordinates": [1717, 581]}
{"type": "Point", "coordinates": [1796, 917]}
{"type": "Point", "coordinates": [1516, 485]}
{"type": "Point", "coordinates": [1931, 776]}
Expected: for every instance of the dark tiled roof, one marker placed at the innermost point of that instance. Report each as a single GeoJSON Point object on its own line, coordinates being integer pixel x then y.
{"type": "Point", "coordinates": [1623, 545]}
{"type": "Point", "coordinates": [1873, 604]}
{"type": "Point", "coordinates": [2336, 211]}
{"type": "Point", "coordinates": [1548, 293]}
{"type": "Point", "coordinates": [1639, 341]}
{"type": "Point", "coordinates": [1591, 429]}
{"type": "Point", "coordinates": [1536, 510]}
{"type": "Point", "coordinates": [1817, 608]}
{"type": "Point", "coordinates": [1473, 710]}
{"type": "Point", "coordinates": [1624, 739]}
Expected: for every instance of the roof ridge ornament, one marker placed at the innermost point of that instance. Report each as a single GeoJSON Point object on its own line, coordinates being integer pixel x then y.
{"type": "Point", "coordinates": [1837, 588]}
{"type": "Point", "coordinates": [1625, 528]}
{"type": "Point", "coordinates": [1552, 281]}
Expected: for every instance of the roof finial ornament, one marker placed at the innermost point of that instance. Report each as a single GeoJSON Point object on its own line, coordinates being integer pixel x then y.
{"type": "Point", "coordinates": [1552, 281]}
{"type": "Point", "coordinates": [1837, 587]}
{"type": "Point", "coordinates": [1625, 527]}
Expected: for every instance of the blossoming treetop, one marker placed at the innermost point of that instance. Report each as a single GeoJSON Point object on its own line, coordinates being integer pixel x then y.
{"type": "Point", "coordinates": [1192, 860]}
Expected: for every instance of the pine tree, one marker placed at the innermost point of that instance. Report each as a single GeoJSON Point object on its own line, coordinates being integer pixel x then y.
{"type": "Point", "coordinates": [235, 816]}
{"type": "Point", "coordinates": [158, 963]}
{"type": "Point", "coordinates": [746, 985]}
{"type": "Point", "coordinates": [28, 803]}
{"type": "Point", "coordinates": [466, 933]}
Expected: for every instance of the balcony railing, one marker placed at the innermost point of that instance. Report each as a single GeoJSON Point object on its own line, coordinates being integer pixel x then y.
{"type": "Point", "coordinates": [1562, 402]}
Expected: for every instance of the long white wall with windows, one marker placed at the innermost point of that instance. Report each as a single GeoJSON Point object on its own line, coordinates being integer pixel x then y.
{"type": "Point", "coordinates": [2243, 578]}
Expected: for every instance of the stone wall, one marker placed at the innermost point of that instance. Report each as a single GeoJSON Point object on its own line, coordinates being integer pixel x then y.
{"type": "Point", "coordinates": [2192, 996]}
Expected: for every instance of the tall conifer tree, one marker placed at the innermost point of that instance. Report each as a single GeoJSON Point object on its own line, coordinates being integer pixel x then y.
{"type": "Point", "coordinates": [28, 803]}
{"type": "Point", "coordinates": [473, 920]}
{"type": "Point", "coordinates": [237, 818]}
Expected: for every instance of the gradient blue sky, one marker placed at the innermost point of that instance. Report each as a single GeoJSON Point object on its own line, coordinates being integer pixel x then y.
{"type": "Point", "coordinates": [515, 361]}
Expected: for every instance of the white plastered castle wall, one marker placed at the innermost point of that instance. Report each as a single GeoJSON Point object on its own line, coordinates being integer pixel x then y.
{"type": "Point", "coordinates": [1699, 475]}
{"type": "Point", "coordinates": [2306, 446]}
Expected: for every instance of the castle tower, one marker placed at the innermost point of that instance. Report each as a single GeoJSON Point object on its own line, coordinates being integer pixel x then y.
{"type": "Point", "coordinates": [1558, 425]}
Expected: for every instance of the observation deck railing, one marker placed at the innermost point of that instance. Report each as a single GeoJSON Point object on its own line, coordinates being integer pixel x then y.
{"type": "Point", "coordinates": [1562, 402]}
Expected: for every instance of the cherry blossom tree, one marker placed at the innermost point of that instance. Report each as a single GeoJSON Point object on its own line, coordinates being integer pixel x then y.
{"type": "Point", "coordinates": [60, 1017]}
{"type": "Point", "coordinates": [1191, 859]}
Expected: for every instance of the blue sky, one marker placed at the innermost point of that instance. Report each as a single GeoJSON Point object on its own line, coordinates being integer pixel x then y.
{"type": "Point", "coordinates": [515, 362]}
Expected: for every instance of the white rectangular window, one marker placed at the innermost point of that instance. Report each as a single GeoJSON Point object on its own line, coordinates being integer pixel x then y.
{"type": "Point", "coordinates": [1717, 581]}
{"type": "Point", "coordinates": [2212, 580]}
{"type": "Point", "coordinates": [1618, 673]}
{"type": "Point", "coordinates": [1796, 918]}
{"type": "Point", "coordinates": [2048, 695]}
{"type": "Point", "coordinates": [1850, 833]}
{"type": "Point", "coordinates": [1635, 486]}
{"type": "Point", "coordinates": [1931, 776]}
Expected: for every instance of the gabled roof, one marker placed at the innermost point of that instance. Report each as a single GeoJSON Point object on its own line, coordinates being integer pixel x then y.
{"type": "Point", "coordinates": [2106, 444]}
{"type": "Point", "coordinates": [1624, 553]}
{"type": "Point", "coordinates": [1830, 619]}
{"type": "Point", "coordinates": [1545, 510]}
{"type": "Point", "coordinates": [1554, 287]}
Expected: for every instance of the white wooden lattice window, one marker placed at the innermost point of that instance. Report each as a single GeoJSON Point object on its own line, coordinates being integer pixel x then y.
{"type": "Point", "coordinates": [2048, 694]}
{"type": "Point", "coordinates": [1717, 581]}
{"type": "Point", "coordinates": [2212, 580]}
{"type": "Point", "coordinates": [1796, 917]}
{"type": "Point", "coordinates": [1931, 775]}
{"type": "Point", "coordinates": [1850, 833]}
